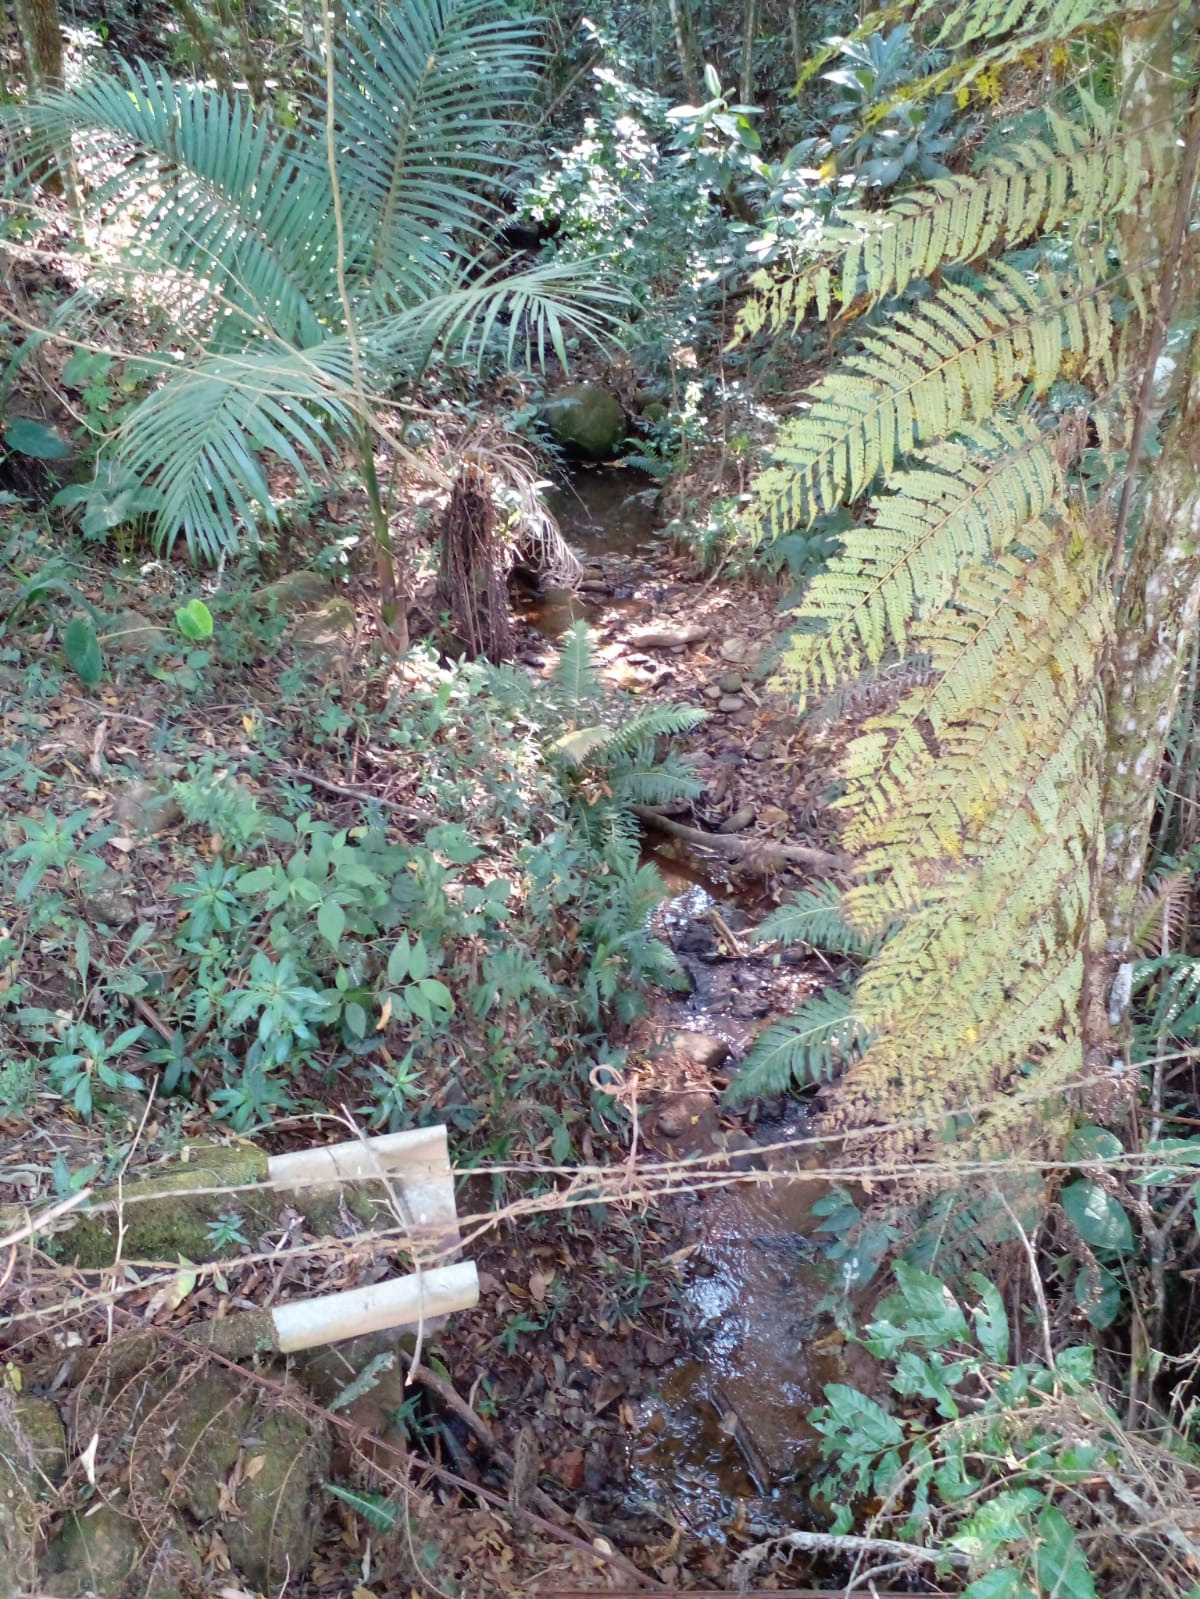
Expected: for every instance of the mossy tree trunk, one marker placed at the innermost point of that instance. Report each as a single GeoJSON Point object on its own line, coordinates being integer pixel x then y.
{"type": "Point", "coordinates": [1158, 594]}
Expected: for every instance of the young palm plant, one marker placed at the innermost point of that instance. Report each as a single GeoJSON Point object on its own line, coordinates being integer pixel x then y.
{"type": "Point", "coordinates": [316, 268]}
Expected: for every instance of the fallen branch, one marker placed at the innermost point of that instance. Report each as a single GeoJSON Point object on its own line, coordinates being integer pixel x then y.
{"type": "Point", "coordinates": [847, 1544]}
{"type": "Point", "coordinates": [756, 854]}
{"type": "Point", "coordinates": [482, 1433]}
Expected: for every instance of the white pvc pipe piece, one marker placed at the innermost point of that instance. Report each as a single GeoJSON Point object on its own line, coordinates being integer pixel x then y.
{"type": "Point", "coordinates": [416, 1162]}
{"type": "Point", "coordinates": [401, 1302]}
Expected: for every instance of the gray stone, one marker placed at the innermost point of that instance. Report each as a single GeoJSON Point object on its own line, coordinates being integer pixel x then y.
{"type": "Point", "coordinates": [129, 633]}
{"type": "Point", "coordinates": [294, 592]}
{"type": "Point", "coordinates": [324, 636]}
{"type": "Point", "coordinates": [586, 419]}
{"type": "Point", "coordinates": [109, 901]}
{"type": "Point", "coordinates": [95, 1553]}
{"type": "Point", "coordinates": [731, 683]}
{"type": "Point", "coordinates": [734, 649]}
{"type": "Point", "coordinates": [139, 808]}
{"type": "Point", "coordinates": [702, 1050]}
{"type": "Point", "coordinates": [731, 702]}
{"type": "Point", "coordinates": [711, 691]}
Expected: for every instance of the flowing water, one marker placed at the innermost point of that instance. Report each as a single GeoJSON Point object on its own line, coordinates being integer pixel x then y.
{"type": "Point", "coordinates": [726, 1441]}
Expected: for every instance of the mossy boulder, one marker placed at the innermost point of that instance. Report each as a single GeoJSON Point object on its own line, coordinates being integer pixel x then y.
{"type": "Point", "coordinates": [33, 1455]}
{"type": "Point", "coordinates": [93, 1554]}
{"type": "Point", "coordinates": [245, 1462]}
{"type": "Point", "coordinates": [586, 420]}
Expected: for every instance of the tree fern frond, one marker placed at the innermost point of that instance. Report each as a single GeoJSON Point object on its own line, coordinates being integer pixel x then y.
{"type": "Point", "coordinates": [656, 783]}
{"type": "Point", "coordinates": [804, 1050]}
{"type": "Point", "coordinates": [965, 502]}
{"type": "Point", "coordinates": [1162, 906]}
{"type": "Point", "coordinates": [956, 354]}
{"type": "Point", "coordinates": [814, 917]}
{"type": "Point", "coordinates": [1031, 20]}
{"type": "Point", "coordinates": [1079, 173]}
{"type": "Point", "coordinates": [200, 436]}
{"type": "Point", "coordinates": [1019, 647]}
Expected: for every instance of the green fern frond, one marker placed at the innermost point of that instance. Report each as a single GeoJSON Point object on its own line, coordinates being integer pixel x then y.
{"type": "Point", "coordinates": [965, 502]}
{"type": "Point", "coordinates": [814, 917]}
{"type": "Point", "coordinates": [575, 681]}
{"type": "Point", "coordinates": [953, 356]}
{"type": "Point", "coordinates": [648, 723]}
{"type": "Point", "coordinates": [1080, 173]}
{"type": "Point", "coordinates": [651, 782]}
{"type": "Point", "coordinates": [804, 1050]}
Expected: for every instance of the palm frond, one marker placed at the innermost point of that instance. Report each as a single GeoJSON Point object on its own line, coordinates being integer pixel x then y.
{"type": "Point", "coordinates": [527, 317]}
{"type": "Point", "coordinates": [428, 94]}
{"type": "Point", "coordinates": [239, 211]}
{"type": "Point", "coordinates": [200, 438]}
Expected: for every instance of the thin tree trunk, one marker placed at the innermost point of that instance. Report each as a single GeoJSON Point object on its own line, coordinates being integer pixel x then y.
{"type": "Point", "coordinates": [1159, 597]}
{"type": "Point", "coordinates": [41, 38]}
{"type": "Point", "coordinates": [41, 42]}
{"type": "Point", "coordinates": [749, 34]}
{"type": "Point", "coordinates": [685, 48]}
{"type": "Point", "coordinates": [798, 54]}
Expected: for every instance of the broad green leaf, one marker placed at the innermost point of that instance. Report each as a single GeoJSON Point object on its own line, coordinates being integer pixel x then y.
{"type": "Point", "coordinates": [82, 650]}
{"type": "Point", "coordinates": [28, 437]}
{"type": "Point", "coordinates": [436, 993]}
{"type": "Point", "coordinates": [356, 1019]}
{"type": "Point", "coordinates": [1097, 1217]}
{"type": "Point", "coordinates": [418, 961]}
{"type": "Point", "coordinates": [1102, 1310]}
{"type": "Point", "coordinates": [331, 922]}
{"type": "Point", "coordinates": [1058, 1561]}
{"type": "Point", "coordinates": [991, 1319]}
{"type": "Point", "coordinates": [1093, 1143]}
{"type": "Point", "coordinates": [935, 1314]}
{"type": "Point", "coordinates": [1004, 1583]}
{"type": "Point", "coordinates": [865, 1418]}
{"type": "Point", "coordinates": [398, 960]}
{"type": "Point", "coordinates": [257, 881]}
{"type": "Point", "coordinates": [1001, 1519]}
{"type": "Point", "coordinates": [194, 621]}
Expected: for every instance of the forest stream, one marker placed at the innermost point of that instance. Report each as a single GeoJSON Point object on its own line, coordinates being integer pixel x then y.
{"type": "Point", "coordinates": [725, 1440]}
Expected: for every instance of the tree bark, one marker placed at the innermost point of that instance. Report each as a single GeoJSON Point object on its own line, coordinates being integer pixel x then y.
{"type": "Point", "coordinates": [41, 38]}
{"type": "Point", "coordinates": [685, 48]}
{"type": "Point", "coordinates": [41, 42]}
{"type": "Point", "coordinates": [749, 34]}
{"type": "Point", "coordinates": [1159, 596]}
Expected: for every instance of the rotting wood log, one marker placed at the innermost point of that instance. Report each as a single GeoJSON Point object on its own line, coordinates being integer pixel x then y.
{"type": "Point", "coordinates": [761, 855]}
